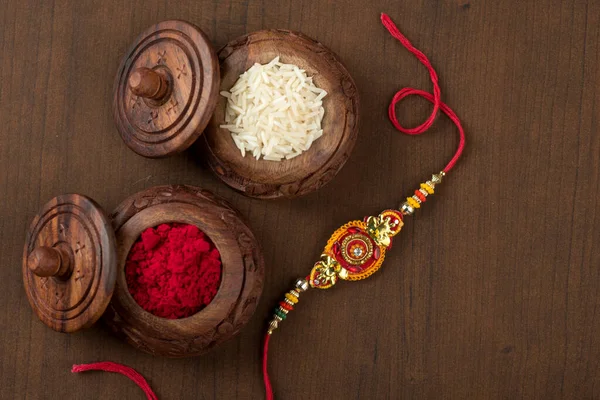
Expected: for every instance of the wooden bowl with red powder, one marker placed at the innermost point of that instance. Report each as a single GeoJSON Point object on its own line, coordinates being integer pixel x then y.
{"type": "Point", "coordinates": [241, 276]}
{"type": "Point", "coordinates": [174, 270]}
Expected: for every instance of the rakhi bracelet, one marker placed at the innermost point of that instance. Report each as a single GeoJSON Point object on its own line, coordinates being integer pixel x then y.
{"type": "Point", "coordinates": [357, 249]}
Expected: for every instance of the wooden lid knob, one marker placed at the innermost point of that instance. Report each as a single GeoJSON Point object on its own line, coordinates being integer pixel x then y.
{"type": "Point", "coordinates": [166, 89]}
{"type": "Point", "coordinates": [149, 84]}
{"type": "Point", "coordinates": [69, 263]}
{"type": "Point", "coordinates": [49, 261]}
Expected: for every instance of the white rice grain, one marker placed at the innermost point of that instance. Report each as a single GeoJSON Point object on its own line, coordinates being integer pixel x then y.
{"type": "Point", "coordinates": [274, 111]}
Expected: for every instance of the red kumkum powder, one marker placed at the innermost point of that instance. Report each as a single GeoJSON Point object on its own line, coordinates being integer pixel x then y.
{"type": "Point", "coordinates": [173, 270]}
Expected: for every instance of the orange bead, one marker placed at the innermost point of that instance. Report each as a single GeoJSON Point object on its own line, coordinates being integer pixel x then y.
{"type": "Point", "coordinates": [420, 196]}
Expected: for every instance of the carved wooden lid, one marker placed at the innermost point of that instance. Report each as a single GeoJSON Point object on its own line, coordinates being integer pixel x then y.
{"type": "Point", "coordinates": [69, 263]}
{"type": "Point", "coordinates": [166, 89]}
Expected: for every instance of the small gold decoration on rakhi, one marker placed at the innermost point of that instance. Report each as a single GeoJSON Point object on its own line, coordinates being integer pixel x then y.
{"type": "Point", "coordinates": [382, 227]}
{"type": "Point", "coordinates": [325, 272]}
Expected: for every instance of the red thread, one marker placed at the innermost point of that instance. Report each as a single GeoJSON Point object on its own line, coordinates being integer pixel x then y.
{"type": "Point", "coordinates": [435, 99]}
{"type": "Point", "coordinates": [121, 369]}
{"type": "Point", "coordinates": [173, 270]}
{"type": "Point", "coordinates": [268, 387]}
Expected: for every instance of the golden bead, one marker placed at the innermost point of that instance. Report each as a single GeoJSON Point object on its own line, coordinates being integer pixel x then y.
{"type": "Point", "coordinates": [406, 209]}
{"type": "Point", "coordinates": [302, 285]}
{"type": "Point", "coordinates": [272, 326]}
{"type": "Point", "coordinates": [437, 178]}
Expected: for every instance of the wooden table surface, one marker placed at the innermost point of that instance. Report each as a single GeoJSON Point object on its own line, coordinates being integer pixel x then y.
{"type": "Point", "coordinates": [491, 292]}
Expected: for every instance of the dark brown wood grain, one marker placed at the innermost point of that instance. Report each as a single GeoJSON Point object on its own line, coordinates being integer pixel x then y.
{"type": "Point", "coordinates": [69, 263]}
{"type": "Point", "coordinates": [241, 279]}
{"type": "Point", "coordinates": [166, 89]}
{"type": "Point", "coordinates": [318, 165]}
{"type": "Point", "coordinates": [491, 291]}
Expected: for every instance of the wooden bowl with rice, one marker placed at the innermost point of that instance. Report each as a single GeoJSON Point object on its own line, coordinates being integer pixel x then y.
{"type": "Point", "coordinates": [312, 168]}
